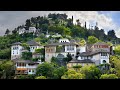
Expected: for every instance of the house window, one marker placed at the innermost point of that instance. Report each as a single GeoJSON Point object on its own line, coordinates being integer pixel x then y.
{"type": "Point", "coordinates": [33, 47]}
{"type": "Point", "coordinates": [103, 54]}
{"type": "Point", "coordinates": [29, 70]}
{"type": "Point", "coordinates": [19, 64]}
{"type": "Point", "coordinates": [104, 61]}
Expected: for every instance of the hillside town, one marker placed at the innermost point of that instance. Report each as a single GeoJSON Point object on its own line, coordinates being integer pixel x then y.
{"type": "Point", "coordinates": [86, 54]}
{"type": "Point", "coordinates": [58, 53]}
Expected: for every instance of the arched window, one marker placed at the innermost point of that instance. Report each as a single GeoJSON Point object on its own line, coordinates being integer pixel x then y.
{"type": "Point", "coordinates": [104, 61]}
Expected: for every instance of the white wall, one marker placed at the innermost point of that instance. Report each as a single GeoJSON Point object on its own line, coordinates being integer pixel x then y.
{"type": "Point", "coordinates": [21, 31]}
{"type": "Point", "coordinates": [29, 68]}
{"type": "Point", "coordinates": [81, 49]}
{"type": "Point", "coordinates": [32, 48]}
{"type": "Point", "coordinates": [106, 58]}
{"type": "Point", "coordinates": [16, 51]}
{"type": "Point", "coordinates": [98, 59]}
{"type": "Point", "coordinates": [32, 29]}
{"type": "Point", "coordinates": [70, 50]}
{"type": "Point", "coordinates": [63, 40]}
{"type": "Point", "coordinates": [48, 56]}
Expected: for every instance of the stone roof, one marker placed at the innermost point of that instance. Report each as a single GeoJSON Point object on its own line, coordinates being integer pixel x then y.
{"type": "Point", "coordinates": [24, 61]}
{"type": "Point", "coordinates": [81, 61]}
{"type": "Point", "coordinates": [100, 43]}
{"type": "Point", "coordinates": [63, 43]}
{"type": "Point", "coordinates": [17, 43]}
{"type": "Point", "coordinates": [91, 53]}
{"type": "Point", "coordinates": [32, 43]}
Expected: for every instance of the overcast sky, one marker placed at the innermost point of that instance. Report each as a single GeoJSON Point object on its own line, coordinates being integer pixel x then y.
{"type": "Point", "coordinates": [107, 20]}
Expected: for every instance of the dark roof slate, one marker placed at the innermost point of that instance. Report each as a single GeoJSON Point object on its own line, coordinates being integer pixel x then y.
{"type": "Point", "coordinates": [81, 61]}
{"type": "Point", "coordinates": [32, 43]}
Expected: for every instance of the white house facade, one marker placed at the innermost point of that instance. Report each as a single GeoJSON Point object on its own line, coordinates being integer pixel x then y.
{"type": "Point", "coordinates": [21, 30]}
{"type": "Point", "coordinates": [97, 57]}
{"type": "Point", "coordinates": [26, 67]}
{"type": "Point", "coordinates": [32, 29]}
{"type": "Point", "coordinates": [34, 45]}
{"type": "Point", "coordinates": [63, 40]}
{"type": "Point", "coordinates": [52, 50]}
{"type": "Point", "coordinates": [16, 49]}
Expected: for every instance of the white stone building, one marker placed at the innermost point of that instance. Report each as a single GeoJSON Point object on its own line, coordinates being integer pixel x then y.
{"type": "Point", "coordinates": [21, 30]}
{"type": "Point", "coordinates": [34, 45]}
{"type": "Point", "coordinates": [16, 49]}
{"type": "Point", "coordinates": [97, 57]}
{"type": "Point", "coordinates": [54, 49]}
{"type": "Point", "coordinates": [24, 67]}
{"type": "Point", "coordinates": [97, 54]}
{"type": "Point", "coordinates": [32, 29]}
{"type": "Point", "coordinates": [63, 40]}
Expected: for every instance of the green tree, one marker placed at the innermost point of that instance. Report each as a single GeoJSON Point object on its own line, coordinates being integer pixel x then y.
{"type": "Point", "coordinates": [54, 60]}
{"type": "Point", "coordinates": [77, 67]}
{"type": "Point", "coordinates": [5, 53]}
{"type": "Point", "coordinates": [26, 46]}
{"type": "Point", "coordinates": [117, 50]}
{"type": "Point", "coordinates": [7, 69]}
{"type": "Point", "coordinates": [72, 74]}
{"type": "Point", "coordinates": [41, 51]}
{"type": "Point", "coordinates": [115, 63]}
{"type": "Point", "coordinates": [27, 55]}
{"type": "Point", "coordinates": [91, 72]}
{"type": "Point", "coordinates": [111, 34]}
{"type": "Point", "coordinates": [28, 24]}
{"type": "Point", "coordinates": [7, 32]}
{"type": "Point", "coordinates": [37, 40]}
{"type": "Point", "coordinates": [59, 72]}
{"type": "Point", "coordinates": [68, 58]}
{"type": "Point", "coordinates": [92, 40]}
{"type": "Point", "coordinates": [45, 69]}
{"type": "Point", "coordinates": [82, 42]}
{"type": "Point", "coordinates": [40, 77]}
{"type": "Point", "coordinates": [109, 43]}
{"type": "Point", "coordinates": [108, 76]}
{"type": "Point", "coordinates": [25, 77]}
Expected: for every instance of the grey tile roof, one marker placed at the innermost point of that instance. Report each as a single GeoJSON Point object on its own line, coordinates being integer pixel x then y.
{"type": "Point", "coordinates": [24, 61]}
{"type": "Point", "coordinates": [63, 43]}
{"type": "Point", "coordinates": [100, 43]}
{"type": "Point", "coordinates": [91, 53]}
{"type": "Point", "coordinates": [32, 43]}
{"type": "Point", "coordinates": [17, 43]}
{"type": "Point", "coordinates": [81, 61]}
